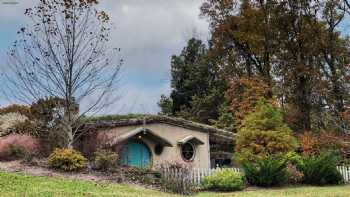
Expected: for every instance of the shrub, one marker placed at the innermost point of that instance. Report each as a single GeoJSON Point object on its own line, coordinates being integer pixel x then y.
{"type": "Point", "coordinates": [21, 109]}
{"type": "Point", "coordinates": [294, 163]}
{"type": "Point", "coordinates": [294, 175]}
{"type": "Point", "coordinates": [16, 146]}
{"type": "Point", "coordinates": [17, 119]}
{"type": "Point", "coordinates": [266, 172]}
{"type": "Point", "coordinates": [27, 127]}
{"type": "Point", "coordinates": [264, 133]}
{"type": "Point", "coordinates": [321, 170]}
{"type": "Point", "coordinates": [105, 160]}
{"type": "Point", "coordinates": [67, 160]}
{"type": "Point", "coordinates": [294, 159]}
{"type": "Point", "coordinates": [8, 122]}
{"type": "Point", "coordinates": [224, 180]}
{"type": "Point", "coordinates": [17, 151]}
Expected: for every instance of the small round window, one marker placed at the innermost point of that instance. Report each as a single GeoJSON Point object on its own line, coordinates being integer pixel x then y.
{"type": "Point", "coordinates": [188, 151]}
{"type": "Point", "coordinates": [158, 149]}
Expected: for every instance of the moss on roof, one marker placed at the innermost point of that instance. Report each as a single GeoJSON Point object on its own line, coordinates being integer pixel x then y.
{"type": "Point", "coordinates": [111, 121]}
{"type": "Point", "coordinates": [113, 117]}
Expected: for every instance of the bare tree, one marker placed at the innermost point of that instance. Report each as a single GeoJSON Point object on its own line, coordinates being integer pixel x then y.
{"type": "Point", "coordinates": [64, 53]}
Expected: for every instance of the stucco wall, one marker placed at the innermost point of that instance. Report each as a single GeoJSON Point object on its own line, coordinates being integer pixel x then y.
{"type": "Point", "coordinates": [173, 134]}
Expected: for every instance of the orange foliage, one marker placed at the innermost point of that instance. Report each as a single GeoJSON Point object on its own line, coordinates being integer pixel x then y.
{"type": "Point", "coordinates": [244, 93]}
{"type": "Point", "coordinates": [314, 144]}
{"type": "Point", "coordinates": [308, 143]}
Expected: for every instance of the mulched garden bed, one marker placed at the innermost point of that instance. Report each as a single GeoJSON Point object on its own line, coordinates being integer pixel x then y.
{"type": "Point", "coordinates": [126, 175]}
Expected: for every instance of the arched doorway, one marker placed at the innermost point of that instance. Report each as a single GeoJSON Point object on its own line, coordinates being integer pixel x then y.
{"type": "Point", "coordinates": [136, 154]}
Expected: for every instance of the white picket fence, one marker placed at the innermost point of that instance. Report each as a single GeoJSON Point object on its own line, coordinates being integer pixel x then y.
{"type": "Point", "coordinates": [345, 172]}
{"type": "Point", "coordinates": [195, 175]}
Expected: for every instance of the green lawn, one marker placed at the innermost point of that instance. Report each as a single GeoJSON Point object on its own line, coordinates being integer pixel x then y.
{"type": "Point", "coordinates": [21, 185]}
{"type": "Point", "coordinates": [334, 191]}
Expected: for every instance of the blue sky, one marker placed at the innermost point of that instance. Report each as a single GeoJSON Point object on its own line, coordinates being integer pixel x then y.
{"type": "Point", "coordinates": [147, 31]}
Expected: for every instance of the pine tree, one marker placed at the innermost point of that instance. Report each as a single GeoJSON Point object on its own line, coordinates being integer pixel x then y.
{"type": "Point", "coordinates": [264, 133]}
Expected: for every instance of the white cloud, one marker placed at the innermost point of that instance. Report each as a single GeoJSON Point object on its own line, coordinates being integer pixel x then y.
{"type": "Point", "coordinates": [136, 100]}
{"type": "Point", "coordinates": [154, 25]}
{"type": "Point", "coordinates": [148, 32]}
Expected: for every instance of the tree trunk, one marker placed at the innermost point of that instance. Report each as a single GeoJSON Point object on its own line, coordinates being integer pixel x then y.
{"type": "Point", "coordinates": [303, 104]}
{"type": "Point", "coordinates": [70, 138]}
{"type": "Point", "coordinates": [68, 130]}
{"type": "Point", "coordinates": [67, 123]}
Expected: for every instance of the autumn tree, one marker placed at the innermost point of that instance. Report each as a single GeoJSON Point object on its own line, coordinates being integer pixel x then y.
{"type": "Point", "coordinates": [243, 95]}
{"type": "Point", "coordinates": [243, 36]}
{"type": "Point", "coordinates": [335, 69]}
{"type": "Point", "coordinates": [64, 53]}
{"type": "Point", "coordinates": [242, 43]}
{"type": "Point", "coordinates": [299, 66]}
{"type": "Point", "coordinates": [293, 46]}
{"type": "Point", "coordinates": [312, 71]}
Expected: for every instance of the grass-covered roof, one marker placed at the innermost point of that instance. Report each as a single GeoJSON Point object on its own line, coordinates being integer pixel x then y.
{"type": "Point", "coordinates": [112, 121]}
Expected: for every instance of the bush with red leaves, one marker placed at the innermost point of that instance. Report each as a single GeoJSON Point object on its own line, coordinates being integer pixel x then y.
{"type": "Point", "coordinates": [17, 146]}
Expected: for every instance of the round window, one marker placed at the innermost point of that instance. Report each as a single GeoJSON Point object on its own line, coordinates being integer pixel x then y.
{"type": "Point", "coordinates": [188, 151]}
{"type": "Point", "coordinates": [158, 149]}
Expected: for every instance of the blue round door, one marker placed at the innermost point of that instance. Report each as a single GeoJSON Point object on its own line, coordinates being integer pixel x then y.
{"type": "Point", "coordinates": [136, 154]}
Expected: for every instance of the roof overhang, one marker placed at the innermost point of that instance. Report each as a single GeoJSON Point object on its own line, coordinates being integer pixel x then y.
{"type": "Point", "coordinates": [190, 139]}
{"type": "Point", "coordinates": [215, 134]}
{"type": "Point", "coordinates": [141, 132]}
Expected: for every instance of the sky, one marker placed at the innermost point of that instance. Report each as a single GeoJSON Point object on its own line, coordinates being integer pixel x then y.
{"type": "Point", "coordinates": [148, 32]}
